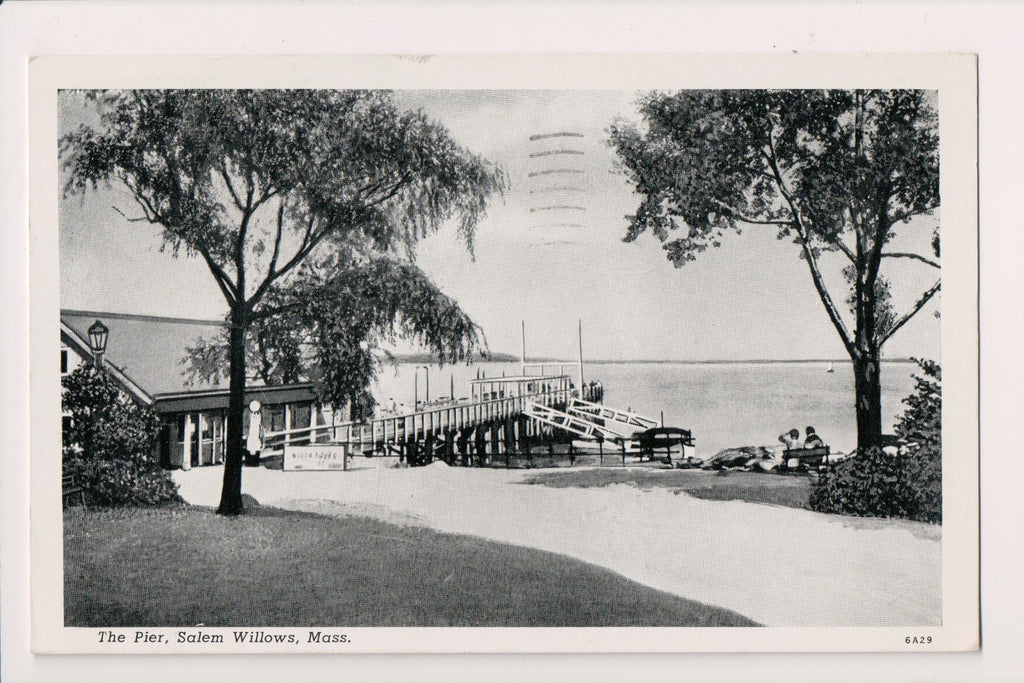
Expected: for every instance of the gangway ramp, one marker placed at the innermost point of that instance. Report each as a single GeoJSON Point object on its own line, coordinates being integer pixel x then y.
{"type": "Point", "coordinates": [596, 411]}
{"type": "Point", "coordinates": [571, 423]}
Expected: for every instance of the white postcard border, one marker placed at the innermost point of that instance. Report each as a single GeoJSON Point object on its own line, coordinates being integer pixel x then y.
{"type": "Point", "coordinates": [952, 75]}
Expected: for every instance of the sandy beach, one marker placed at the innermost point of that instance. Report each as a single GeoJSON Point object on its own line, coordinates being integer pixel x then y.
{"type": "Point", "coordinates": [776, 565]}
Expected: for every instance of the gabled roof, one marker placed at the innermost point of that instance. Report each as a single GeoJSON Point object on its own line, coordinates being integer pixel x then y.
{"type": "Point", "coordinates": [70, 337]}
{"type": "Point", "coordinates": [145, 351]}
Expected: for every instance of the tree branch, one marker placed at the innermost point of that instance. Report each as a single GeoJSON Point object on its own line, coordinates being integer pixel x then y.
{"type": "Point", "coordinates": [812, 263]}
{"type": "Point", "coordinates": [904, 215]}
{"type": "Point", "coordinates": [925, 298]}
{"type": "Point", "coordinates": [270, 312]}
{"type": "Point", "coordinates": [277, 239]}
{"type": "Point", "coordinates": [154, 217]}
{"type": "Point", "coordinates": [309, 242]}
{"type": "Point", "coordinates": [140, 219]}
{"type": "Point", "coordinates": [231, 188]}
{"type": "Point", "coordinates": [392, 191]}
{"type": "Point", "coordinates": [265, 197]}
{"type": "Point", "coordinates": [747, 219]}
{"type": "Point", "coordinates": [916, 257]}
{"type": "Point", "coordinates": [226, 286]}
{"type": "Point", "coordinates": [845, 249]}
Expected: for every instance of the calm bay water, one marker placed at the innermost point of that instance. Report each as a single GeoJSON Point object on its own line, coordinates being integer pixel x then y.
{"type": "Point", "coordinates": [726, 405]}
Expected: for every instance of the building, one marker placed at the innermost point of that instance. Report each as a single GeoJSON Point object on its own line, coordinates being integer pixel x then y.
{"type": "Point", "coordinates": [146, 356]}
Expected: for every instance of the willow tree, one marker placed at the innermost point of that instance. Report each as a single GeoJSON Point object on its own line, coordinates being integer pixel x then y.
{"type": "Point", "coordinates": [836, 171]}
{"type": "Point", "coordinates": [278, 192]}
{"type": "Point", "coordinates": [329, 323]}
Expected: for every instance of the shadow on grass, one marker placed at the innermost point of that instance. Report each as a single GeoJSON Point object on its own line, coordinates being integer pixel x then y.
{"type": "Point", "coordinates": [752, 487]}
{"type": "Point", "coordinates": [183, 566]}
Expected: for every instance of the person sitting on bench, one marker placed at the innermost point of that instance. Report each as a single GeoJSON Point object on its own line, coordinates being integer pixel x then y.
{"type": "Point", "coordinates": [813, 440]}
{"type": "Point", "coordinates": [791, 439]}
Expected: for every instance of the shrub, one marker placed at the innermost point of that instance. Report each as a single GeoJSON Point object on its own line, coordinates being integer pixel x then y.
{"type": "Point", "coordinates": [879, 484]}
{"type": "Point", "coordinates": [904, 484]}
{"type": "Point", "coordinates": [921, 424]}
{"type": "Point", "coordinates": [109, 444]}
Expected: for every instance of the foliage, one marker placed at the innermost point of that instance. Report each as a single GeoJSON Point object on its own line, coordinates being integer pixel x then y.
{"type": "Point", "coordinates": [110, 442]}
{"type": "Point", "coordinates": [920, 427]}
{"type": "Point", "coordinates": [331, 324]}
{"type": "Point", "coordinates": [905, 484]}
{"type": "Point", "coordinates": [835, 170]}
{"type": "Point", "coordinates": [878, 484]}
{"type": "Point", "coordinates": [259, 183]}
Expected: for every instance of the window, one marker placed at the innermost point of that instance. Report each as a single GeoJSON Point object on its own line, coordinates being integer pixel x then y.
{"type": "Point", "coordinates": [300, 415]}
{"type": "Point", "coordinates": [63, 361]}
{"type": "Point", "coordinates": [276, 421]}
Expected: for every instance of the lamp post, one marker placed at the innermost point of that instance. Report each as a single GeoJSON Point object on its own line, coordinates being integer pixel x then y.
{"type": "Point", "coordinates": [98, 342]}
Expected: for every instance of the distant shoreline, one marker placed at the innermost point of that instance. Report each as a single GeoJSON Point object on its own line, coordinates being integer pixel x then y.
{"type": "Point", "coordinates": [507, 358]}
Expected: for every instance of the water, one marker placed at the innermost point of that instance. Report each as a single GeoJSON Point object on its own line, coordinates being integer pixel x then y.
{"type": "Point", "coordinates": [725, 405]}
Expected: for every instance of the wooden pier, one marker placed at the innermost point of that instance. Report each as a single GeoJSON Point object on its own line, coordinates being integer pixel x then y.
{"type": "Point", "coordinates": [494, 421]}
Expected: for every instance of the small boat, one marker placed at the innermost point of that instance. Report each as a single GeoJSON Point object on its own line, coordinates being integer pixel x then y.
{"type": "Point", "coordinates": [830, 368]}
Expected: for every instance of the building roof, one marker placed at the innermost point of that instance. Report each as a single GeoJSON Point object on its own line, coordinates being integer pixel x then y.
{"type": "Point", "coordinates": [148, 350]}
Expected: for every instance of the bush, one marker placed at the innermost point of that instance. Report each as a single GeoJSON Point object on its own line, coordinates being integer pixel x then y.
{"type": "Point", "coordinates": [920, 427]}
{"type": "Point", "coordinates": [109, 445]}
{"type": "Point", "coordinates": [904, 484]}
{"type": "Point", "coordinates": [879, 484]}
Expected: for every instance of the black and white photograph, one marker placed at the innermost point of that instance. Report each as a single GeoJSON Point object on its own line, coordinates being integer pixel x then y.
{"type": "Point", "coordinates": [345, 362]}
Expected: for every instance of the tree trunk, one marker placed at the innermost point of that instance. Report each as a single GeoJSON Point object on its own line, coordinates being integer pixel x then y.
{"type": "Point", "coordinates": [868, 387]}
{"type": "Point", "coordinates": [231, 493]}
{"type": "Point", "coordinates": [866, 351]}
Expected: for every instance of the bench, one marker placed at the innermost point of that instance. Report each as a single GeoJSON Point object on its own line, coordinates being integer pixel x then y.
{"type": "Point", "coordinates": [71, 488]}
{"type": "Point", "coordinates": [807, 458]}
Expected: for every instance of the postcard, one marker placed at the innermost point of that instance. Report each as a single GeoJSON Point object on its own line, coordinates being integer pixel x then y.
{"type": "Point", "coordinates": [504, 353]}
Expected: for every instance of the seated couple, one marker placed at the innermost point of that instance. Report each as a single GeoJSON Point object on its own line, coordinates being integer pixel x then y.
{"type": "Point", "coordinates": [791, 439]}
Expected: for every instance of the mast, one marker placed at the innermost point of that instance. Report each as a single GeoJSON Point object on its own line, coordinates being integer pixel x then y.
{"type": "Point", "coordinates": [581, 355]}
{"type": "Point", "coordinates": [522, 366]}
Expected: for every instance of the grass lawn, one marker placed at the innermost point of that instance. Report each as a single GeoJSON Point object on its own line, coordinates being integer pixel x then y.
{"type": "Point", "coordinates": [753, 487]}
{"type": "Point", "coordinates": [182, 566]}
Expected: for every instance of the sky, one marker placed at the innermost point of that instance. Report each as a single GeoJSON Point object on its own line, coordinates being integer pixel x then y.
{"type": "Point", "coordinates": [549, 268]}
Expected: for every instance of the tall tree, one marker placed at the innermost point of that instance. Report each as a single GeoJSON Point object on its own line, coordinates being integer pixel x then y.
{"type": "Point", "coordinates": [835, 170]}
{"type": "Point", "coordinates": [261, 183]}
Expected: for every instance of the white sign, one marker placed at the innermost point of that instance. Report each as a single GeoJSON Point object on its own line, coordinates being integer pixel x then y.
{"type": "Point", "coordinates": [315, 457]}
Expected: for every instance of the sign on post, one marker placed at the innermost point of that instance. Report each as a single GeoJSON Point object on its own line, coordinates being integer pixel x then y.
{"type": "Point", "coordinates": [316, 457]}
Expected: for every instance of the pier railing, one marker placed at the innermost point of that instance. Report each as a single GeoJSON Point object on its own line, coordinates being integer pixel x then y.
{"type": "Point", "coordinates": [376, 433]}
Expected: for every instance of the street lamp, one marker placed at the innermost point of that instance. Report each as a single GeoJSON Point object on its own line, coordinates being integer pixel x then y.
{"type": "Point", "coordinates": [98, 342]}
